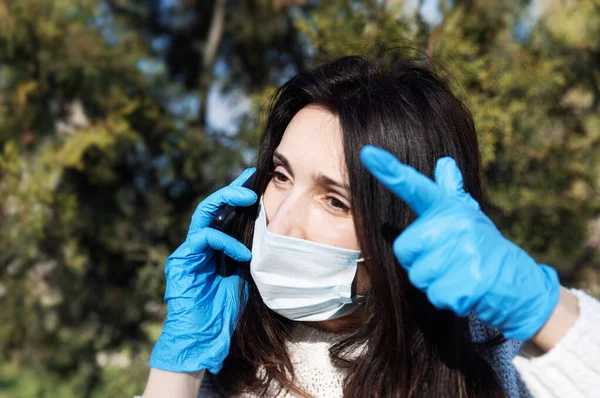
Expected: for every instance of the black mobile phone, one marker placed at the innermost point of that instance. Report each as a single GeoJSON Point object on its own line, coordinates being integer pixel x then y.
{"type": "Point", "coordinates": [228, 219]}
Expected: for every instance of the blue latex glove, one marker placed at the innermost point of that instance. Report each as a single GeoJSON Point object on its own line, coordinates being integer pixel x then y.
{"type": "Point", "coordinates": [456, 255]}
{"type": "Point", "coordinates": [203, 307]}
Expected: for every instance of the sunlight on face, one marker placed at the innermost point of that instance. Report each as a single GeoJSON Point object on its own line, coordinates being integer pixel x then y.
{"type": "Point", "coordinates": [308, 195]}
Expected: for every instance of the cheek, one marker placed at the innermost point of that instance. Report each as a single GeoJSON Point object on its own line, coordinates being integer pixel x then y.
{"type": "Point", "coordinates": [317, 223]}
{"type": "Point", "coordinates": [334, 231]}
{"type": "Point", "coordinates": [272, 198]}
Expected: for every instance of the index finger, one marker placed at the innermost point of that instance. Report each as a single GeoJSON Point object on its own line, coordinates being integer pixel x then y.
{"type": "Point", "coordinates": [238, 182]}
{"type": "Point", "coordinates": [416, 189]}
{"type": "Point", "coordinates": [233, 195]}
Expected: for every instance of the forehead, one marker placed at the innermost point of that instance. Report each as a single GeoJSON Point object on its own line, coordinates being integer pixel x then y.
{"type": "Point", "coordinates": [313, 141]}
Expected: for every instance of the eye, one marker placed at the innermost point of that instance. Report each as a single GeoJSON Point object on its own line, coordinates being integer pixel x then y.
{"type": "Point", "coordinates": [279, 177]}
{"type": "Point", "coordinates": [338, 205]}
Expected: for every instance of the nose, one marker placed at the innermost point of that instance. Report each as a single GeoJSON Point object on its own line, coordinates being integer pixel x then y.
{"type": "Point", "coordinates": [287, 216]}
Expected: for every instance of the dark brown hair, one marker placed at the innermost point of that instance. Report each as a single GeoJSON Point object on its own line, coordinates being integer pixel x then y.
{"type": "Point", "coordinates": [412, 349]}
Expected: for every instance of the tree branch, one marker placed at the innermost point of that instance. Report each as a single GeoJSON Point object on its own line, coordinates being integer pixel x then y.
{"type": "Point", "coordinates": [215, 34]}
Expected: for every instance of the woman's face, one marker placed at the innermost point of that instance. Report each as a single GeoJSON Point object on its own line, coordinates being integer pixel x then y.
{"type": "Point", "coordinates": [308, 196]}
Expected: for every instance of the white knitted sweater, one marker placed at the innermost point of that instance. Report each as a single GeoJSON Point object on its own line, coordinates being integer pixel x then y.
{"type": "Point", "coordinates": [571, 369]}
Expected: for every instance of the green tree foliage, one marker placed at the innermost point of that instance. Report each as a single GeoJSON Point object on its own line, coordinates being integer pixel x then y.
{"type": "Point", "coordinates": [88, 169]}
{"type": "Point", "coordinates": [98, 174]}
{"type": "Point", "coordinates": [536, 109]}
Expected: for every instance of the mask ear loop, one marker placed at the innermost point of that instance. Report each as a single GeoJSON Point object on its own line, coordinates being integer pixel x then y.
{"type": "Point", "coordinates": [359, 298]}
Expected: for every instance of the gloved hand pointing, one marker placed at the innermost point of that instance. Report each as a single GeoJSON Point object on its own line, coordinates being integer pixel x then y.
{"type": "Point", "coordinates": [203, 307]}
{"type": "Point", "coordinates": [456, 255]}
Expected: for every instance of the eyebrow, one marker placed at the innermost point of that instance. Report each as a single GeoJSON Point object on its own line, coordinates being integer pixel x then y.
{"type": "Point", "coordinates": [283, 160]}
{"type": "Point", "coordinates": [320, 179]}
{"type": "Point", "coordinates": [323, 180]}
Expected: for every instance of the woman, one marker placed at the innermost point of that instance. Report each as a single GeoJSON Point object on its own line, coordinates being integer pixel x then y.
{"type": "Point", "coordinates": [373, 272]}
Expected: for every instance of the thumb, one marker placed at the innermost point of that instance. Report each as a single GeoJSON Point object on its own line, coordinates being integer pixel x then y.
{"type": "Point", "coordinates": [448, 176]}
{"type": "Point", "coordinates": [450, 179]}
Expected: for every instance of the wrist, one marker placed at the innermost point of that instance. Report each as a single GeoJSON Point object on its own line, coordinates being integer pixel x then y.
{"type": "Point", "coordinates": [189, 352]}
{"type": "Point", "coordinates": [170, 384]}
{"type": "Point", "coordinates": [562, 318]}
{"type": "Point", "coordinates": [535, 299]}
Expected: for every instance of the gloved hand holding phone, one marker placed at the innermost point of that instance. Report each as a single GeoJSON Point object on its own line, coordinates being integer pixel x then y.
{"type": "Point", "coordinates": [455, 254]}
{"type": "Point", "coordinates": [203, 307]}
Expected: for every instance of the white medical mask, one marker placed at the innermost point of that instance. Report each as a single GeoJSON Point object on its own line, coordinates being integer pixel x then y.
{"type": "Point", "coordinates": [302, 280]}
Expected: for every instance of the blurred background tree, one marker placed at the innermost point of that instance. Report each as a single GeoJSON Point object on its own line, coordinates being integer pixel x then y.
{"type": "Point", "coordinates": [118, 116]}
